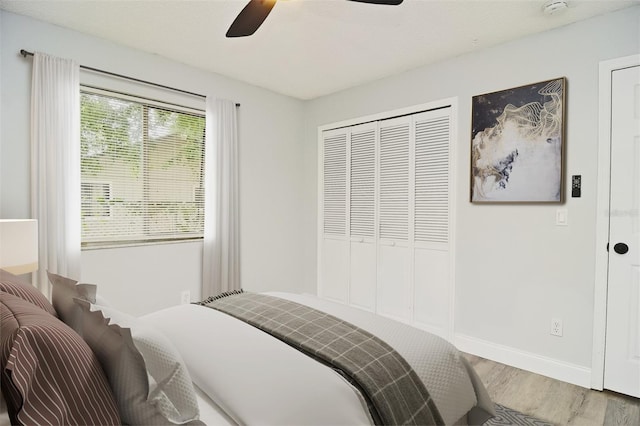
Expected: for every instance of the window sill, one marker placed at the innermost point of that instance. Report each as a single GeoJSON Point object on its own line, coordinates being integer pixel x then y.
{"type": "Point", "coordinates": [116, 245]}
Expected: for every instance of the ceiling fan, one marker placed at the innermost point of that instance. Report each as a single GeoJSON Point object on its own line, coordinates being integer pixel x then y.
{"type": "Point", "coordinates": [256, 11]}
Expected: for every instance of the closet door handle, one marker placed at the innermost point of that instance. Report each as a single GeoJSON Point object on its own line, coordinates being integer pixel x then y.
{"type": "Point", "coordinates": [621, 248]}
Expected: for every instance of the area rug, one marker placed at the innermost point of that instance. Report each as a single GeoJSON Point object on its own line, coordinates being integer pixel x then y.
{"type": "Point", "coordinates": [508, 416]}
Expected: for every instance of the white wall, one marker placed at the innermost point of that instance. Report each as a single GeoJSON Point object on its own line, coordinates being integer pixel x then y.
{"type": "Point", "coordinates": [271, 174]}
{"type": "Point", "coordinates": [515, 269]}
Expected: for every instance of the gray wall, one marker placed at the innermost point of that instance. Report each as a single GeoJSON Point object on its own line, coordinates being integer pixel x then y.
{"type": "Point", "coordinates": [141, 280]}
{"type": "Point", "coordinates": [515, 269]}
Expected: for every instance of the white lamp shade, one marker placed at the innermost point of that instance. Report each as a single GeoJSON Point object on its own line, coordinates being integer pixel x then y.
{"type": "Point", "coordinates": [19, 245]}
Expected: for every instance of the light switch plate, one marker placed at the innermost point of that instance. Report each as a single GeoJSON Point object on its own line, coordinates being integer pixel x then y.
{"type": "Point", "coordinates": [562, 217]}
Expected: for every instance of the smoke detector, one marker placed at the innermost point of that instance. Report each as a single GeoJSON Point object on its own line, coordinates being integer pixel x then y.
{"type": "Point", "coordinates": [553, 7]}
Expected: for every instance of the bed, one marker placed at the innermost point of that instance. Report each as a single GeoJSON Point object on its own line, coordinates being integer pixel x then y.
{"type": "Point", "coordinates": [208, 364]}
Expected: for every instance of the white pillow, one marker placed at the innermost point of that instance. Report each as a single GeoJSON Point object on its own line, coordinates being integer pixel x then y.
{"type": "Point", "coordinates": [101, 301]}
{"type": "Point", "coordinates": [170, 386]}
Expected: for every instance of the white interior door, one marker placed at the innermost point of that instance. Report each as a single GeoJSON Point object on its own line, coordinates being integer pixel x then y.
{"type": "Point", "coordinates": [622, 353]}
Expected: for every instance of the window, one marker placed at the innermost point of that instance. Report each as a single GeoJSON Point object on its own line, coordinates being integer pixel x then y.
{"type": "Point", "coordinates": [141, 161]}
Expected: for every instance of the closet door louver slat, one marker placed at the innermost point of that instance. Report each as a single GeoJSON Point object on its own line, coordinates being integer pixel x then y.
{"type": "Point", "coordinates": [432, 180]}
{"type": "Point", "coordinates": [335, 184]}
{"type": "Point", "coordinates": [394, 181]}
{"type": "Point", "coordinates": [363, 158]}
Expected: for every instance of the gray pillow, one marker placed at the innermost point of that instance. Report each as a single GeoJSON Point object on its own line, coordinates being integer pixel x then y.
{"type": "Point", "coordinates": [158, 391]}
{"type": "Point", "coordinates": [49, 375]}
{"type": "Point", "coordinates": [64, 290]}
{"type": "Point", "coordinates": [17, 286]}
{"type": "Point", "coordinates": [170, 384]}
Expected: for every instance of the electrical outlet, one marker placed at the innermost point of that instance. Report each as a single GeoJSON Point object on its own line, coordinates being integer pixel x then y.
{"type": "Point", "coordinates": [556, 327]}
{"type": "Point", "coordinates": [185, 297]}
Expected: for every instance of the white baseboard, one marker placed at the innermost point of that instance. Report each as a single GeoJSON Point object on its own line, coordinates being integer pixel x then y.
{"type": "Point", "coordinates": [560, 370]}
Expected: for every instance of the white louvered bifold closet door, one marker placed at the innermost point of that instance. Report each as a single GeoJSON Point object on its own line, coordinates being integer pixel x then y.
{"type": "Point", "coordinates": [394, 286]}
{"type": "Point", "coordinates": [362, 286]}
{"type": "Point", "coordinates": [431, 220]}
{"type": "Point", "coordinates": [385, 232]}
{"type": "Point", "coordinates": [335, 245]}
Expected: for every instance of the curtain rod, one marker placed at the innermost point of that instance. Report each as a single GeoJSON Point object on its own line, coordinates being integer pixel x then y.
{"type": "Point", "coordinates": [26, 53]}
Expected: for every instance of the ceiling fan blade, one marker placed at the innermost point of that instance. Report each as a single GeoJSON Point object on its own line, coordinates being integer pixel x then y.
{"type": "Point", "coordinates": [250, 18]}
{"type": "Point", "coordinates": [385, 2]}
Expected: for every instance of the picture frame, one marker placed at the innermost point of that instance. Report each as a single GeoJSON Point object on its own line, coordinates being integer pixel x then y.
{"type": "Point", "coordinates": [517, 144]}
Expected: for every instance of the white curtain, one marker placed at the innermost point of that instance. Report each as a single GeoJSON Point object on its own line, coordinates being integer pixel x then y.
{"type": "Point", "coordinates": [55, 166]}
{"type": "Point", "coordinates": [221, 254]}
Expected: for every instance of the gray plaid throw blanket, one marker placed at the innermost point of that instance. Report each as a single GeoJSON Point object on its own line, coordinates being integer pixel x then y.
{"type": "Point", "coordinates": [395, 393]}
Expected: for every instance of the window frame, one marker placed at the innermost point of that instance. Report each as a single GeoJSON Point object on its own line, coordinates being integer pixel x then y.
{"type": "Point", "coordinates": [150, 237]}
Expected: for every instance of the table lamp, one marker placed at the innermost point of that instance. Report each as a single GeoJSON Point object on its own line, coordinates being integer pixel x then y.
{"type": "Point", "coordinates": [19, 245]}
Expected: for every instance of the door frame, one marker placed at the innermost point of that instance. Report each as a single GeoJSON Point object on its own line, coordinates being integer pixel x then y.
{"type": "Point", "coordinates": [602, 214]}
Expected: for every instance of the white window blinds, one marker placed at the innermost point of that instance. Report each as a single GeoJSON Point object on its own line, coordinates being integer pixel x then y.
{"type": "Point", "coordinates": [142, 170]}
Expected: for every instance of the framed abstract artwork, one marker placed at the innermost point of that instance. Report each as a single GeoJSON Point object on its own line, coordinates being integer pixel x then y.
{"type": "Point", "coordinates": [517, 144]}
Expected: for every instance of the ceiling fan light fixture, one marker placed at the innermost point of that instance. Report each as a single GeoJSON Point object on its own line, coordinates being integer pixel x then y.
{"type": "Point", "coordinates": [553, 7]}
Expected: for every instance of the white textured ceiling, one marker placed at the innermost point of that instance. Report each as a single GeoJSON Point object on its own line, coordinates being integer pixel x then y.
{"type": "Point", "coordinates": [310, 48]}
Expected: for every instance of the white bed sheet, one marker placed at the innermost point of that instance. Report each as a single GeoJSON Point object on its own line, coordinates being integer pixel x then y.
{"type": "Point", "coordinates": [255, 378]}
{"type": "Point", "coordinates": [210, 413]}
{"type": "Point", "coordinates": [438, 363]}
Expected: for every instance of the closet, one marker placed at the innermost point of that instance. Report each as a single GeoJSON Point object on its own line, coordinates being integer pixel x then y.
{"type": "Point", "coordinates": [385, 215]}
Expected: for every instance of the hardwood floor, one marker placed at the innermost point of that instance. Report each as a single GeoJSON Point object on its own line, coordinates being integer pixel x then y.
{"type": "Point", "coordinates": [552, 400]}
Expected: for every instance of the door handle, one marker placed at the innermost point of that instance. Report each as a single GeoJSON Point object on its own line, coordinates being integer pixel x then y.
{"type": "Point", "coordinates": [620, 248]}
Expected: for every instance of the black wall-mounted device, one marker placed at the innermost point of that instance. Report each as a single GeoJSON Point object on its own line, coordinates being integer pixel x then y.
{"type": "Point", "coordinates": [576, 186]}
